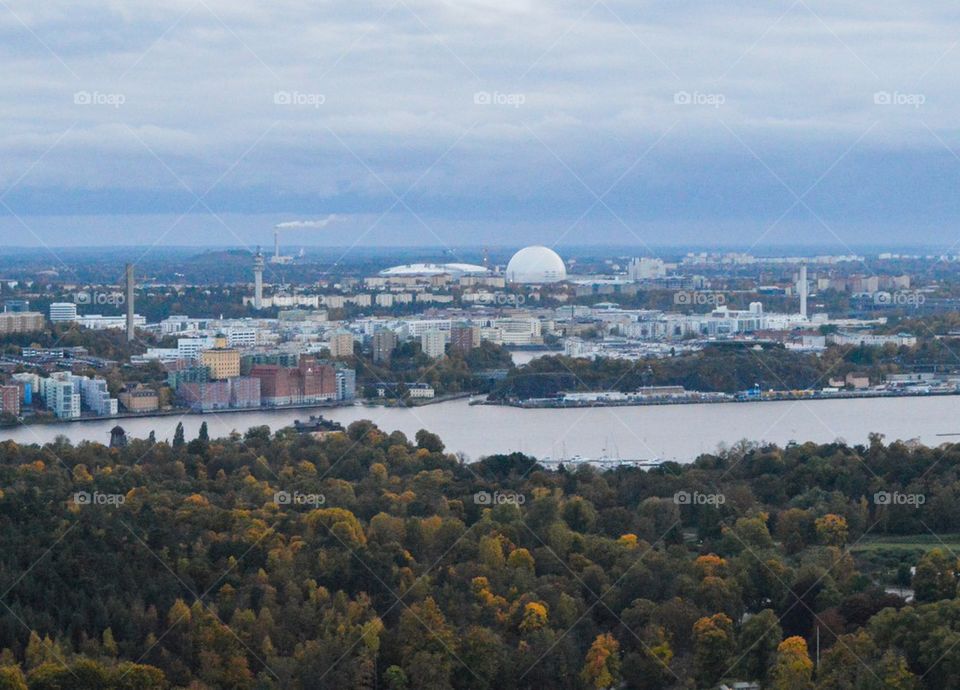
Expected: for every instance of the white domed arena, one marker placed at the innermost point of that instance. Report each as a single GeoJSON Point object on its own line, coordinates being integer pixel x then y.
{"type": "Point", "coordinates": [536, 265]}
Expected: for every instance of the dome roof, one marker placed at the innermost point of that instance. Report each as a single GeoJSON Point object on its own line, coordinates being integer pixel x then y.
{"type": "Point", "coordinates": [536, 265]}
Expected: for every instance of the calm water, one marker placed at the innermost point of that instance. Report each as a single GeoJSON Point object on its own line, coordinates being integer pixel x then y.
{"type": "Point", "coordinates": [679, 432]}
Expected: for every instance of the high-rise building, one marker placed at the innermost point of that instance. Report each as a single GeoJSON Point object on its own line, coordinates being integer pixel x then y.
{"type": "Point", "coordinates": [223, 361]}
{"type": "Point", "coordinates": [434, 343]}
{"type": "Point", "coordinates": [60, 396]}
{"type": "Point", "coordinates": [95, 396]}
{"type": "Point", "coordinates": [10, 400]}
{"type": "Point", "coordinates": [63, 311]}
{"type": "Point", "coordinates": [340, 344]}
{"type": "Point", "coordinates": [346, 384]}
{"type": "Point", "coordinates": [384, 341]}
{"type": "Point", "coordinates": [646, 268]}
{"type": "Point", "coordinates": [20, 322]}
{"type": "Point", "coordinates": [464, 337]}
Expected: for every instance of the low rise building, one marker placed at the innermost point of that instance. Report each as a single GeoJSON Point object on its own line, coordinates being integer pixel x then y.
{"type": "Point", "coordinates": [139, 398]}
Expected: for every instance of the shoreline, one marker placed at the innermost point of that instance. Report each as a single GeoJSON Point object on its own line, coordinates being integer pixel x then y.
{"type": "Point", "coordinates": [545, 404]}
{"type": "Point", "coordinates": [187, 412]}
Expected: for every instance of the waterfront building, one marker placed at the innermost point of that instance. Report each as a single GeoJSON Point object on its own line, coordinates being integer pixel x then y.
{"type": "Point", "coordinates": [244, 392]}
{"type": "Point", "coordinates": [136, 397]}
{"type": "Point", "coordinates": [346, 383]}
{"type": "Point", "coordinates": [59, 395]}
{"type": "Point", "coordinates": [206, 396]}
{"type": "Point", "coordinates": [223, 361]}
{"type": "Point", "coordinates": [10, 400]}
{"type": "Point", "coordinates": [421, 391]}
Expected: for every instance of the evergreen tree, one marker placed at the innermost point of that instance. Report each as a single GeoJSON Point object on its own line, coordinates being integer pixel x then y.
{"type": "Point", "coordinates": [178, 439]}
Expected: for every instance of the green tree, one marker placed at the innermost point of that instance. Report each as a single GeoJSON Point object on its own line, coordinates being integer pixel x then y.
{"type": "Point", "coordinates": [935, 577]}
{"type": "Point", "coordinates": [178, 439]}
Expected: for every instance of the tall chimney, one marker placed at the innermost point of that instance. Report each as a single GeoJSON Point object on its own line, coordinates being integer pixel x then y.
{"type": "Point", "coordinates": [130, 327]}
{"type": "Point", "coordinates": [258, 280]}
{"type": "Point", "coordinates": [802, 286]}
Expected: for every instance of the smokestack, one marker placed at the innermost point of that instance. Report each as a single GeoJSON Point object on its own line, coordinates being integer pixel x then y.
{"type": "Point", "coordinates": [130, 327]}
{"type": "Point", "coordinates": [802, 287]}
{"type": "Point", "coordinates": [258, 280]}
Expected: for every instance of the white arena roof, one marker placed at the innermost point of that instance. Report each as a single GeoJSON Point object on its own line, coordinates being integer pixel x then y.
{"type": "Point", "coordinates": [434, 270]}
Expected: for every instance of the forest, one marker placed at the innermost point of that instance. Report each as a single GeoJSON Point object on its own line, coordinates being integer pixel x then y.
{"type": "Point", "coordinates": [725, 370]}
{"type": "Point", "coordinates": [366, 559]}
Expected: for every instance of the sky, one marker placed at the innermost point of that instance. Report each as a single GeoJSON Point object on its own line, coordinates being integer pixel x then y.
{"type": "Point", "coordinates": [479, 122]}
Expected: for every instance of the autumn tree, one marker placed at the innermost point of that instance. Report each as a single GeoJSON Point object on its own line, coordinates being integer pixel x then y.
{"type": "Point", "coordinates": [602, 667]}
{"type": "Point", "coordinates": [792, 667]}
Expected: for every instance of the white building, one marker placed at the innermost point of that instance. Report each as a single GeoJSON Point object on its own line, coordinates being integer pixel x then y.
{"type": "Point", "coordinates": [646, 269]}
{"type": "Point", "coordinates": [63, 311]}
{"type": "Point", "coordinates": [98, 322]}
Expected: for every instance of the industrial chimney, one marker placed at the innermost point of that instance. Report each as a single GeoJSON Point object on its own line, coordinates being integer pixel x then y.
{"type": "Point", "coordinates": [130, 328]}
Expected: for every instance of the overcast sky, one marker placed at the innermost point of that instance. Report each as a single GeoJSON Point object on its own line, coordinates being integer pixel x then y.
{"type": "Point", "coordinates": [479, 122]}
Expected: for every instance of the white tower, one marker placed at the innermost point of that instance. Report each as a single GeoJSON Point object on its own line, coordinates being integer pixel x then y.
{"type": "Point", "coordinates": [258, 280]}
{"type": "Point", "coordinates": [802, 289]}
{"type": "Point", "coordinates": [131, 331]}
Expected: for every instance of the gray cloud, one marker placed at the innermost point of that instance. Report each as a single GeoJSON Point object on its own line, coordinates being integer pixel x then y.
{"type": "Point", "coordinates": [484, 113]}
